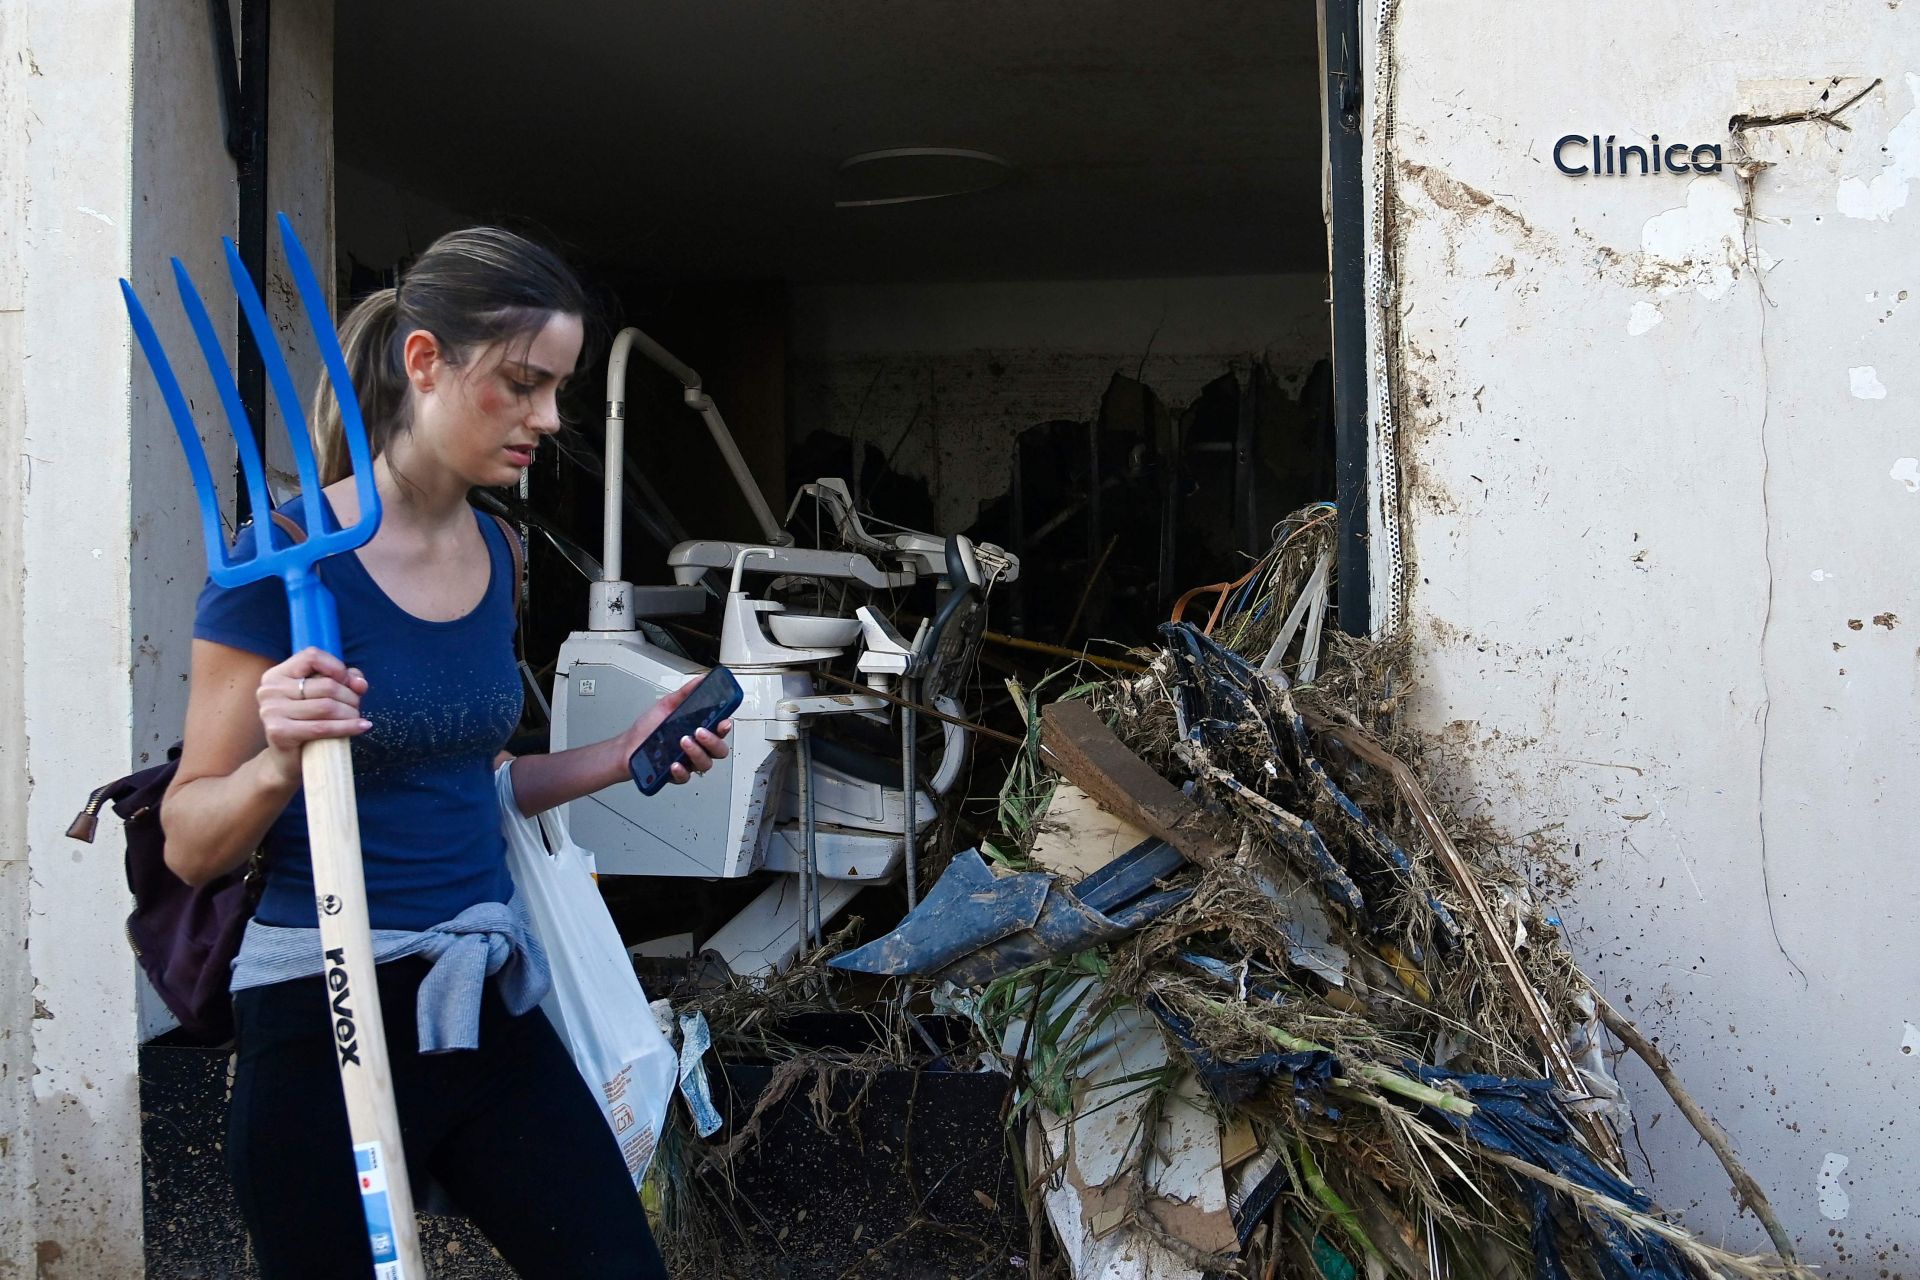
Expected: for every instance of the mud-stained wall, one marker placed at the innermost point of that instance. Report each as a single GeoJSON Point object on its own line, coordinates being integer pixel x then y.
{"type": "Point", "coordinates": [16, 983]}
{"type": "Point", "coordinates": [1658, 511]}
{"type": "Point", "coordinates": [68, 1103]}
{"type": "Point", "coordinates": [943, 377]}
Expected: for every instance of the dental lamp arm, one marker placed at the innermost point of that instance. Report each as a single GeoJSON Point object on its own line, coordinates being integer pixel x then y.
{"type": "Point", "coordinates": [653, 351]}
{"type": "Point", "coordinates": [696, 399]}
{"type": "Point", "coordinates": [749, 488]}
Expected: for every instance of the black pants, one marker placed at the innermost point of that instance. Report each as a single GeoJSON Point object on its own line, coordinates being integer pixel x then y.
{"type": "Point", "coordinates": [509, 1130]}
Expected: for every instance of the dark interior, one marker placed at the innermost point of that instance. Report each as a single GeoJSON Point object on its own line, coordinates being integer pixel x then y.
{"type": "Point", "coordinates": [1111, 358]}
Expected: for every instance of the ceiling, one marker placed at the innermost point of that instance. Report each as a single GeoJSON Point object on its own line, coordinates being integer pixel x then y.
{"type": "Point", "coordinates": [700, 138]}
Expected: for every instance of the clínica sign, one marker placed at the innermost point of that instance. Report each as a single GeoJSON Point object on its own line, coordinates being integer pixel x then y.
{"type": "Point", "coordinates": [1581, 155]}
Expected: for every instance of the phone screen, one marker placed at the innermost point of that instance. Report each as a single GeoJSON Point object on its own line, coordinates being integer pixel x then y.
{"type": "Point", "coordinates": [714, 699]}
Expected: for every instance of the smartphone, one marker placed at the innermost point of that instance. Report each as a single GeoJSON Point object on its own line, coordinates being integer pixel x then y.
{"type": "Point", "coordinates": [716, 697]}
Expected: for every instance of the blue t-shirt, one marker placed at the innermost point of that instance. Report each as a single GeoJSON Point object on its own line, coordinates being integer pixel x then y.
{"type": "Point", "coordinates": [443, 698]}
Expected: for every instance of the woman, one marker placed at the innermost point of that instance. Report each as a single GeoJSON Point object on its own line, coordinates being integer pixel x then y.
{"type": "Point", "coordinates": [458, 373]}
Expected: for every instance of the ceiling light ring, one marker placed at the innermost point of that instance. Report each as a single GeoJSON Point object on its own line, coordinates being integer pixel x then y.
{"type": "Point", "coordinates": [1001, 170]}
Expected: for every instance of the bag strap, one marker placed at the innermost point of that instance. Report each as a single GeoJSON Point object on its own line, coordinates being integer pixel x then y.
{"type": "Point", "coordinates": [519, 551]}
{"type": "Point", "coordinates": [285, 522]}
{"type": "Point", "coordinates": [519, 554]}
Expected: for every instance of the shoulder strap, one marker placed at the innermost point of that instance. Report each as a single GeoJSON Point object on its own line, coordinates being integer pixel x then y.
{"type": "Point", "coordinates": [294, 532]}
{"type": "Point", "coordinates": [519, 551]}
{"type": "Point", "coordinates": [513, 545]}
{"type": "Point", "coordinates": [519, 554]}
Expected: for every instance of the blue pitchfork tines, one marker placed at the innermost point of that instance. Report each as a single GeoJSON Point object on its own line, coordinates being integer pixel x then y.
{"type": "Point", "coordinates": [315, 621]}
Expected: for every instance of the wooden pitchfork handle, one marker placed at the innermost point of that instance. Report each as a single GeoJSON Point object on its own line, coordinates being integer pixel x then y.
{"type": "Point", "coordinates": [359, 1029]}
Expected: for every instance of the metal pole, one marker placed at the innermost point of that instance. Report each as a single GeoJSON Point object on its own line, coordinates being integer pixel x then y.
{"type": "Point", "coordinates": [1348, 243]}
{"type": "Point", "coordinates": [910, 827]}
{"type": "Point", "coordinates": [1247, 534]}
{"type": "Point", "coordinates": [613, 464]}
{"type": "Point", "coordinates": [243, 102]}
{"type": "Point", "coordinates": [749, 487]}
{"type": "Point", "coordinates": [1096, 532]}
{"type": "Point", "coordinates": [809, 866]}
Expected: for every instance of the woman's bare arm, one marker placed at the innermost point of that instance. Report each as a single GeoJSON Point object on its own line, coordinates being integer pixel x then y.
{"type": "Point", "coordinates": [247, 719]}
{"type": "Point", "coordinates": [541, 782]}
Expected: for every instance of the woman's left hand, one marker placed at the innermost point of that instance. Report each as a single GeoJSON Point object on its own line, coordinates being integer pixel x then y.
{"type": "Point", "coordinates": [701, 748]}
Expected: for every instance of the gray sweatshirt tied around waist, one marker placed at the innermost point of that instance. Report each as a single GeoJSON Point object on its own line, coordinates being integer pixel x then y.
{"type": "Point", "coordinates": [487, 939]}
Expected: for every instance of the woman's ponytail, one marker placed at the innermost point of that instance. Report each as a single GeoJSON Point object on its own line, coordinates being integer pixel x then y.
{"type": "Point", "coordinates": [370, 341]}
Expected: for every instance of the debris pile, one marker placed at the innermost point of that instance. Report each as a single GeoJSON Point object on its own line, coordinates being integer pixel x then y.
{"type": "Point", "coordinates": [1267, 1009]}
{"type": "Point", "coordinates": [1260, 1007]}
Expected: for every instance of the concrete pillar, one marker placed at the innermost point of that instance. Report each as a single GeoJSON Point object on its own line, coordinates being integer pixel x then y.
{"type": "Point", "coordinates": [109, 117]}
{"type": "Point", "coordinates": [16, 988]}
{"type": "Point", "coordinates": [69, 1105]}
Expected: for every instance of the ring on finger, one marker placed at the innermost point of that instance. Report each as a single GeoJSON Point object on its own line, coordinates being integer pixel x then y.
{"type": "Point", "coordinates": [301, 689]}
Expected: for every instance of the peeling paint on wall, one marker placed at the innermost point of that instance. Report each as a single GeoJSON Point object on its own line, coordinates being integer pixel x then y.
{"type": "Point", "coordinates": [1699, 245]}
{"type": "Point", "coordinates": [1865, 382]}
{"type": "Point", "coordinates": [950, 419]}
{"type": "Point", "coordinates": [1910, 1043]}
{"type": "Point", "coordinates": [1886, 192]}
{"type": "Point", "coordinates": [1907, 472]}
{"type": "Point", "coordinates": [1834, 1201]}
{"type": "Point", "coordinates": [1645, 316]}
{"type": "Point", "coordinates": [942, 379]}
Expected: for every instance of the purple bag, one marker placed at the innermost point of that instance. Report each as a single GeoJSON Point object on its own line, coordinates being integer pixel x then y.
{"type": "Point", "coordinates": [184, 937]}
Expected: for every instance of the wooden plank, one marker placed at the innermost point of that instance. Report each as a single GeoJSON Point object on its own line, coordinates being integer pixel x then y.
{"type": "Point", "coordinates": [1075, 741]}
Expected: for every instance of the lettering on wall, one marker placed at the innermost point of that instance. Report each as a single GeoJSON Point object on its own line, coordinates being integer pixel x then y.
{"type": "Point", "coordinates": [1580, 155]}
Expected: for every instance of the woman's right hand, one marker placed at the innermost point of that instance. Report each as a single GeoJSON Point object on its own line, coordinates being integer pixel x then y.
{"type": "Point", "coordinates": [310, 696]}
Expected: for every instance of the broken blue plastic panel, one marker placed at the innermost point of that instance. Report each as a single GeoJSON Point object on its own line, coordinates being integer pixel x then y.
{"type": "Point", "coordinates": [967, 908]}
{"type": "Point", "coordinates": [1129, 875]}
{"type": "Point", "coordinates": [975, 926]}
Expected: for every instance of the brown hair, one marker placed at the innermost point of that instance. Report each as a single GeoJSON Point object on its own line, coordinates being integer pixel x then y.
{"type": "Point", "coordinates": [469, 289]}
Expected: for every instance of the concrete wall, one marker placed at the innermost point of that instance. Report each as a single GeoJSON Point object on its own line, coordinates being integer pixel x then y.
{"type": "Point", "coordinates": [16, 981]}
{"type": "Point", "coordinates": [952, 372]}
{"type": "Point", "coordinates": [178, 128]}
{"type": "Point", "coordinates": [109, 116]}
{"type": "Point", "coordinates": [1658, 510]}
{"type": "Point", "coordinates": [73, 1109]}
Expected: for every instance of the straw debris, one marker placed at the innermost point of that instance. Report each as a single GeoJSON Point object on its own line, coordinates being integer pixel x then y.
{"type": "Point", "coordinates": [1370, 980]}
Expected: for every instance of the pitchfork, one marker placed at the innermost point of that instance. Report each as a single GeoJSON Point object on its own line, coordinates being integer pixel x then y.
{"type": "Point", "coordinates": [333, 824]}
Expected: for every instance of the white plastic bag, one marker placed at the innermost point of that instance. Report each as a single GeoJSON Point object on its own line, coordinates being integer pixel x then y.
{"type": "Point", "coordinates": [596, 1003]}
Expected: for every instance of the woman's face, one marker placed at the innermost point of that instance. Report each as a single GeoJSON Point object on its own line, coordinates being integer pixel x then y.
{"type": "Point", "coordinates": [483, 419]}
